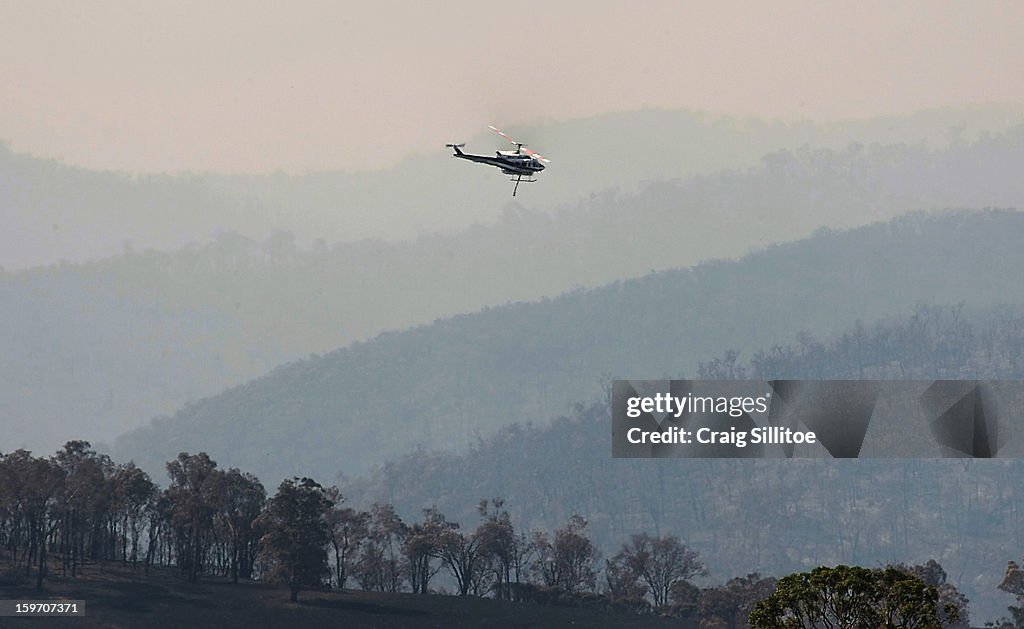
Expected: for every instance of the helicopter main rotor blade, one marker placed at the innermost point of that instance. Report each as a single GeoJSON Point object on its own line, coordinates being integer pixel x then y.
{"type": "Point", "coordinates": [499, 132]}
{"type": "Point", "coordinates": [537, 155]}
{"type": "Point", "coordinates": [521, 146]}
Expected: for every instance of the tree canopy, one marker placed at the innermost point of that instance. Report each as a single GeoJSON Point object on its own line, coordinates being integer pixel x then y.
{"type": "Point", "coordinates": [851, 597]}
{"type": "Point", "coordinates": [297, 534]}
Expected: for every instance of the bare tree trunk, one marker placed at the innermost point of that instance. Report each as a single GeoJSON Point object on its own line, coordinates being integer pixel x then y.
{"type": "Point", "coordinates": [42, 564]}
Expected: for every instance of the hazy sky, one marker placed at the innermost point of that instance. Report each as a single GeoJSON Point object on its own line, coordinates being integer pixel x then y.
{"type": "Point", "coordinates": [257, 86]}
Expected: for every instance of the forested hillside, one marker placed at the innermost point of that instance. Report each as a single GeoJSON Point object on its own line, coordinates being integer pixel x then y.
{"type": "Point", "coordinates": [445, 384]}
{"type": "Point", "coordinates": [732, 516]}
{"type": "Point", "coordinates": [53, 211]}
{"type": "Point", "coordinates": [771, 516]}
{"type": "Point", "coordinates": [117, 342]}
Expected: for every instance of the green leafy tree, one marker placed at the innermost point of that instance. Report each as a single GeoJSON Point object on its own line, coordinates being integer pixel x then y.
{"type": "Point", "coordinates": [908, 602]}
{"type": "Point", "coordinates": [932, 573]}
{"type": "Point", "coordinates": [850, 597]}
{"type": "Point", "coordinates": [296, 535]}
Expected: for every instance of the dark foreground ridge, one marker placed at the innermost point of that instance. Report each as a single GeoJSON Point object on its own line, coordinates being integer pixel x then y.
{"type": "Point", "coordinates": [123, 597]}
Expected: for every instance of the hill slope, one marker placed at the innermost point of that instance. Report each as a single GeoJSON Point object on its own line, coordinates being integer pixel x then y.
{"type": "Point", "coordinates": [444, 384]}
{"type": "Point", "coordinates": [116, 342]}
{"type": "Point", "coordinates": [771, 516]}
{"type": "Point", "coordinates": [121, 597]}
{"type": "Point", "coordinates": [53, 211]}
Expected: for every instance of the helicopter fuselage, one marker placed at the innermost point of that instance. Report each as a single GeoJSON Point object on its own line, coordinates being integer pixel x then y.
{"type": "Point", "coordinates": [519, 163]}
{"type": "Point", "coordinates": [510, 162]}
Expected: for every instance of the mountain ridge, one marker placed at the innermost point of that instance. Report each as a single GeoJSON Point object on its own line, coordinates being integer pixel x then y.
{"type": "Point", "coordinates": [468, 375]}
{"type": "Point", "coordinates": [57, 211]}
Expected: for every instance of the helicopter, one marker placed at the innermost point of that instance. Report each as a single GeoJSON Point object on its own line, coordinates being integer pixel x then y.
{"type": "Point", "coordinates": [519, 163]}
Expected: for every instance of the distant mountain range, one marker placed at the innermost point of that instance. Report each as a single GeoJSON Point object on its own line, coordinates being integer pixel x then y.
{"type": "Point", "coordinates": [446, 384]}
{"type": "Point", "coordinates": [52, 211]}
{"type": "Point", "coordinates": [109, 344]}
{"type": "Point", "coordinates": [773, 517]}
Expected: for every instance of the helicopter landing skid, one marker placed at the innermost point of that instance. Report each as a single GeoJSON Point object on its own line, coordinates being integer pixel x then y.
{"type": "Point", "coordinates": [519, 179]}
